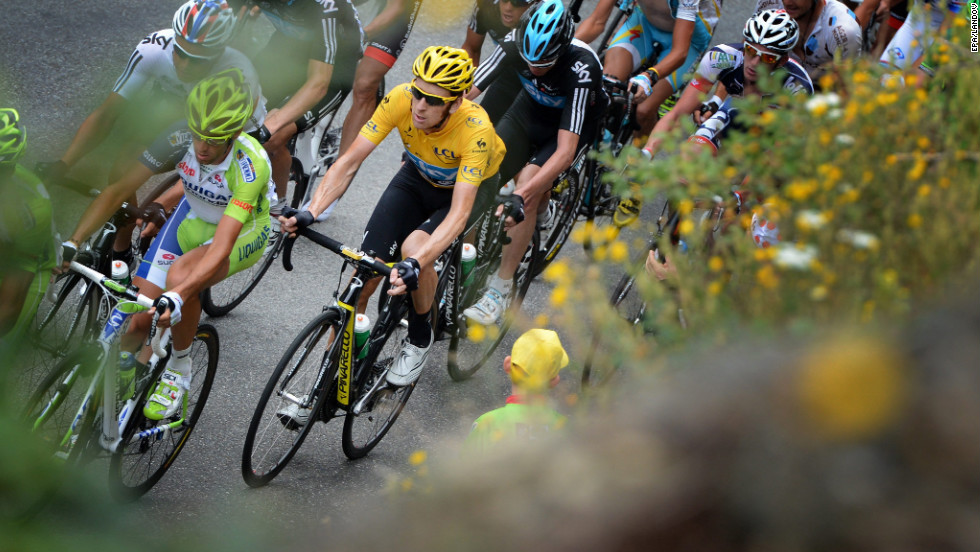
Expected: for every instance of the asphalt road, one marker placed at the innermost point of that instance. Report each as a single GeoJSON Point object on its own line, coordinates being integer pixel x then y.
{"type": "Point", "coordinates": [58, 60]}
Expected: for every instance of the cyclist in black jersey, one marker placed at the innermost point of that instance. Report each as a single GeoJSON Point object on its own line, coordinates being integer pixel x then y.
{"type": "Point", "coordinates": [496, 18]}
{"type": "Point", "coordinates": [387, 34]}
{"type": "Point", "coordinates": [555, 115]}
{"type": "Point", "coordinates": [305, 68]}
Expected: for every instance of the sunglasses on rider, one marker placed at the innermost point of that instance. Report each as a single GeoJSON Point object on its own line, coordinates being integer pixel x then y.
{"type": "Point", "coordinates": [187, 56]}
{"type": "Point", "coordinates": [211, 141]}
{"type": "Point", "coordinates": [431, 99]}
{"type": "Point", "coordinates": [768, 58]}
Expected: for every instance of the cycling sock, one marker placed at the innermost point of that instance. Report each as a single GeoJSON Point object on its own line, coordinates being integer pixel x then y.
{"type": "Point", "coordinates": [501, 285]}
{"type": "Point", "coordinates": [419, 330]}
{"type": "Point", "coordinates": [181, 363]}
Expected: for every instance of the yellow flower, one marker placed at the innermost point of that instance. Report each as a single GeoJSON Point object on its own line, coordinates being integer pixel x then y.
{"type": "Point", "coordinates": [766, 277]}
{"type": "Point", "coordinates": [825, 137]}
{"type": "Point", "coordinates": [861, 77]}
{"type": "Point", "coordinates": [827, 82]}
{"type": "Point", "coordinates": [557, 271]}
{"type": "Point", "coordinates": [924, 190]}
{"type": "Point", "coordinates": [944, 182]}
{"type": "Point", "coordinates": [867, 176]}
{"type": "Point", "coordinates": [618, 251]}
{"type": "Point", "coordinates": [923, 142]}
{"type": "Point", "coordinates": [715, 264]}
{"type": "Point", "coordinates": [851, 388]}
{"type": "Point", "coordinates": [891, 159]}
{"type": "Point", "coordinates": [889, 277]}
{"type": "Point", "coordinates": [767, 117]}
{"type": "Point", "coordinates": [542, 320]}
{"type": "Point", "coordinates": [818, 293]}
{"type": "Point", "coordinates": [714, 288]}
{"type": "Point", "coordinates": [917, 170]}
{"type": "Point", "coordinates": [686, 227]}
{"type": "Point", "coordinates": [730, 172]}
{"type": "Point", "coordinates": [417, 457]}
{"type": "Point", "coordinates": [558, 296]}
{"type": "Point", "coordinates": [685, 207]}
{"type": "Point", "coordinates": [914, 220]}
{"type": "Point", "coordinates": [476, 332]}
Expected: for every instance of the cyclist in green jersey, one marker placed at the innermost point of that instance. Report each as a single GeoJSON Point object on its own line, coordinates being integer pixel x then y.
{"type": "Point", "coordinates": [220, 227]}
{"type": "Point", "coordinates": [533, 366]}
{"type": "Point", "coordinates": [27, 251]}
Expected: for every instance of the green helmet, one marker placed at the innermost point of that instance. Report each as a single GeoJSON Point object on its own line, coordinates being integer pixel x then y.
{"type": "Point", "coordinates": [12, 136]}
{"type": "Point", "coordinates": [220, 105]}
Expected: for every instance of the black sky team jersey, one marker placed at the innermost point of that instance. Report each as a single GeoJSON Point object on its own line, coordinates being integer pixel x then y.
{"type": "Point", "coordinates": [570, 92]}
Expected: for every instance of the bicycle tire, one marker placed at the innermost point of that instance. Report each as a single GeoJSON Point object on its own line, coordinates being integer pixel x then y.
{"type": "Point", "coordinates": [140, 462]}
{"type": "Point", "coordinates": [599, 367]}
{"type": "Point", "coordinates": [362, 432]}
{"type": "Point", "coordinates": [262, 455]}
{"type": "Point", "coordinates": [221, 298]}
{"type": "Point", "coordinates": [567, 195]}
{"type": "Point", "coordinates": [60, 327]}
{"type": "Point", "coordinates": [471, 348]}
{"type": "Point", "coordinates": [52, 408]}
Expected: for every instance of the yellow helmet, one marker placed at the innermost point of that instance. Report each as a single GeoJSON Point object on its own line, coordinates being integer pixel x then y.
{"type": "Point", "coordinates": [450, 68]}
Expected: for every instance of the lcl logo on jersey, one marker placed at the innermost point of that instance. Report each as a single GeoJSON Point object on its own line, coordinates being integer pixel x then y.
{"type": "Point", "coordinates": [473, 122]}
{"type": "Point", "coordinates": [445, 155]}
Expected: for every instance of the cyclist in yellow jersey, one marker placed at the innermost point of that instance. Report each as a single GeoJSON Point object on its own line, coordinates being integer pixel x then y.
{"type": "Point", "coordinates": [533, 366]}
{"type": "Point", "coordinates": [453, 152]}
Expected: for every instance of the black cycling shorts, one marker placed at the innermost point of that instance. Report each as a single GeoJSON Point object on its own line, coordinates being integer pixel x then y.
{"type": "Point", "coordinates": [531, 139]}
{"type": "Point", "coordinates": [411, 203]}
{"type": "Point", "coordinates": [387, 43]}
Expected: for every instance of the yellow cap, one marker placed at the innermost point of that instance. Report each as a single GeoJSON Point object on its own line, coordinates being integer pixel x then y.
{"type": "Point", "coordinates": [536, 358]}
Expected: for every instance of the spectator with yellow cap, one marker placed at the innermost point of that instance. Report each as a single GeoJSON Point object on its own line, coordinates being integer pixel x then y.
{"type": "Point", "coordinates": [533, 366]}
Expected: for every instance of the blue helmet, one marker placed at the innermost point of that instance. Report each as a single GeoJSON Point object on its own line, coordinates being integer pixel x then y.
{"type": "Point", "coordinates": [545, 31]}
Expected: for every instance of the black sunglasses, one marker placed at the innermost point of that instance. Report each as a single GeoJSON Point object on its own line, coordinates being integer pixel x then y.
{"type": "Point", "coordinates": [431, 99]}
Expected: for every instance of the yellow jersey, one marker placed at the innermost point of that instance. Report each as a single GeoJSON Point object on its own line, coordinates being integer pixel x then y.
{"type": "Point", "coordinates": [466, 149]}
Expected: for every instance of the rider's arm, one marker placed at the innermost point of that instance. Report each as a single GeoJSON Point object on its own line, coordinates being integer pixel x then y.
{"type": "Point", "coordinates": [865, 10]}
{"type": "Point", "coordinates": [338, 178]}
{"type": "Point", "coordinates": [473, 45]}
{"type": "Point", "coordinates": [464, 195]}
{"type": "Point", "coordinates": [558, 162]}
{"type": "Point", "coordinates": [392, 11]}
{"type": "Point", "coordinates": [110, 200]}
{"type": "Point", "coordinates": [491, 67]}
{"type": "Point", "coordinates": [688, 103]}
{"type": "Point", "coordinates": [592, 26]}
{"type": "Point", "coordinates": [318, 75]}
{"type": "Point", "coordinates": [94, 129]}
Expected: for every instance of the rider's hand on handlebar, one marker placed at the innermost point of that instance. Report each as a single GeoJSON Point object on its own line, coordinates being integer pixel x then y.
{"type": "Point", "coordinates": [642, 84]}
{"type": "Point", "coordinates": [293, 220]}
{"type": "Point", "coordinates": [516, 202]}
{"type": "Point", "coordinates": [69, 250]}
{"type": "Point", "coordinates": [706, 110]}
{"type": "Point", "coordinates": [404, 277]}
{"type": "Point", "coordinates": [153, 217]}
{"type": "Point", "coordinates": [168, 305]}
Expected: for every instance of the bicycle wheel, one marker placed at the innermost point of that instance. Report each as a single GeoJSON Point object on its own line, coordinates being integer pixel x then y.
{"type": "Point", "coordinates": [53, 409]}
{"type": "Point", "coordinates": [149, 447]}
{"type": "Point", "coordinates": [600, 366]}
{"type": "Point", "coordinates": [362, 432]}
{"type": "Point", "coordinates": [471, 346]}
{"type": "Point", "coordinates": [221, 298]}
{"type": "Point", "coordinates": [60, 326]}
{"type": "Point", "coordinates": [306, 368]}
{"type": "Point", "coordinates": [566, 199]}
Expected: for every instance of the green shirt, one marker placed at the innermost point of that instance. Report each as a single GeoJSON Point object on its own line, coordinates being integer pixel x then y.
{"type": "Point", "coordinates": [517, 421]}
{"type": "Point", "coordinates": [26, 229]}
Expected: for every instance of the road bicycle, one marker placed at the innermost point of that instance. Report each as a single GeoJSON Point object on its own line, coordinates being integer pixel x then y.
{"type": "Point", "coordinates": [627, 297]}
{"type": "Point", "coordinates": [84, 409]}
{"type": "Point", "coordinates": [324, 375]}
{"type": "Point", "coordinates": [73, 309]}
{"type": "Point", "coordinates": [471, 345]}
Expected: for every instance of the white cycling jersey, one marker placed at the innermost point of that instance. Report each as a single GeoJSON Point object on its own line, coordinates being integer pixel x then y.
{"type": "Point", "coordinates": [836, 30]}
{"type": "Point", "coordinates": [151, 68]}
{"type": "Point", "coordinates": [915, 34]}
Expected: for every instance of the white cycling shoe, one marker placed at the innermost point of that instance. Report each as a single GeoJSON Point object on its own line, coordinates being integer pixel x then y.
{"type": "Point", "coordinates": [488, 310]}
{"type": "Point", "coordinates": [408, 366]}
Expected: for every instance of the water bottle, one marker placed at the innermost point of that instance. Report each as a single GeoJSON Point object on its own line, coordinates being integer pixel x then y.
{"type": "Point", "coordinates": [127, 375]}
{"type": "Point", "coordinates": [362, 329]}
{"type": "Point", "coordinates": [508, 188]}
{"type": "Point", "coordinates": [120, 272]}
{"type": "Point", "coordinates": [469, 259]}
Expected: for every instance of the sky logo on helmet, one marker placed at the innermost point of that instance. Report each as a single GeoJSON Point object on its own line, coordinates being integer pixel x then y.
{"type": "Point", "coordinates": [245, 163]}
